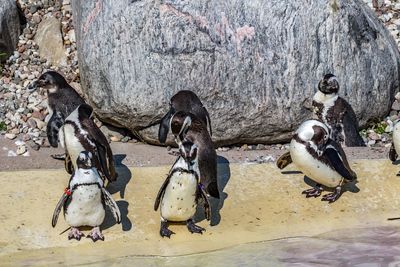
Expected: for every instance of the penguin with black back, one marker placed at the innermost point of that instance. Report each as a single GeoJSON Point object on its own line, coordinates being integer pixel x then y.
{"type": "Point", "coordinates": [85, 199]}
{"type": "Point", "coordinates": [80, 133]}
{"type": "Point", "coordinates": [187, 127]}
{"type": "Point", "coordinates": [321, 159]}
{"type": "Point", "coordinates": [187, 101]}
{"type": "Point", "coordinates": [181, 192]}
{"type": "Point", "coordinates": [62, 100]}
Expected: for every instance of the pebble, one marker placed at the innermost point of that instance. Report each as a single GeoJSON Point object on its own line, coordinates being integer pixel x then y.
{"type": "Point", "coordinates": [10, 136]}
{"type": "Point", "coordinates": [21, 150]}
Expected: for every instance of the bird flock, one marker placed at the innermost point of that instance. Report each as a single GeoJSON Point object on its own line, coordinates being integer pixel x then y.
{"type": "Point", "coordinates": [315, 149]}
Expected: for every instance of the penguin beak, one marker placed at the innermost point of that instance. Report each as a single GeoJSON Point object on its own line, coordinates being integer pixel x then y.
{"type": "Point", "coordinates": [321, 149]}
{"type": "Point", "coordinates": [32, 86]}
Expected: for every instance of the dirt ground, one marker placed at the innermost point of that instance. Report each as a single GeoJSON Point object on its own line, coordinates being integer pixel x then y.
{"type": "Point", "coordinates": [143, 155]}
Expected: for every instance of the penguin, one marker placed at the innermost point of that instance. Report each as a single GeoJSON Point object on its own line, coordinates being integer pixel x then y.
{"type": "Point", "coordinates": [62, 100]}
{"type": "Point", "coordinates": [393, 155]}
{"type": "Point", "coordinates": [321, 159]}
{"type": "Point", "coordinates": [85, 199]}
{"type": "Point", "coordinates": [187, 127]}
{"type": "Point", "coordinates": [181, 192]}
{"type": "Point", "coordinates": [336, 112]}
{"type": "Point", "coordinates": [187, 101]}
{"type": "Point", "coordinates": [80, 133]}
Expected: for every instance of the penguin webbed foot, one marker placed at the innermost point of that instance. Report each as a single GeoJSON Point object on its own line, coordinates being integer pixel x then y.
{"type": "Point", "coordinates": [164, 231]}
{"type": "Point", "coordinates": [75, 234]}
{"type": "Point", "coordinates": [193, 228]}
{"type": "Point", "coordinates": [96, 234]}
{"type": "Point", "coordinates": [313, 192]}
{"type": "Point", "coordinates": [332, 197]}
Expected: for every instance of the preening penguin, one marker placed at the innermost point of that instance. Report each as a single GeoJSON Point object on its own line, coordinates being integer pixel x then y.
{"type": "Point", "coordinates": [181, 191]}
{"type": "Point", "coordinates": [187, 101]}
{"type": "Point", "coordinates": [321, 159]}
{"type": "Point", "coordinates": [62, 100]}
{"type": "Point", "coordinates": [84, 200]}
{"type": "Point", "coordinates": [187, 127]}
{"type": "Point", "coordinates": [80, 133]}
{"type": "Point", "coordinates": [336, 112]}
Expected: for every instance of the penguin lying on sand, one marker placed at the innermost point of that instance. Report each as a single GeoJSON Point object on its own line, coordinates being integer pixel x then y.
{"type": "Point", "coordinates": [321, 159]}
{"type": "Point", "coordinates": [181, 191]}
{"type": "Point", "coordinates": [336, 113]}
{"type": "Point", "coordinates": [84, 200]}
{"type": "Point", "coordinates": [187, 101]}
{"type": "Point", "coordinates": [80, 133]}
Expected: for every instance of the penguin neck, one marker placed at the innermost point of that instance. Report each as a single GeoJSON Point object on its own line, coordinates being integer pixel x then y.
{"type": "Point", "coordinates": [324, 98]}
{"type": "Point", "coordinates": [83, 176]}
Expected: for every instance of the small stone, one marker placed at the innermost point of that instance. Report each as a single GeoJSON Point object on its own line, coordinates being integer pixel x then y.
{"type": "Point", "coordinates": [244, 147]}
{"type": "Point", "coordinates": [374, 136]}
{"type": "Point", "coordinates": [21, 150]}
{"type": "Point", "coordinates": [371, 142]}
{"type": "Point", "coordinates": [397, 96]}
{"type": "Point", "coordinates": [11, 153]}
{"type": "Point", "coordinates": [33, 145]}
{"type": "Point", "coordinates": [31, 123]}
{"type": "Point", "coordinates": [38, 115]}
{"type": "Point", "coordinates": [115, 138]}
{"type": "Point", "coordinates": [260, 147]}
{"type": "Point", "coordinates": [10, 136]}
{"type": "Point", "coordinates": [396, 105]}
{"type": "Point", "coordinates": [125, 139]}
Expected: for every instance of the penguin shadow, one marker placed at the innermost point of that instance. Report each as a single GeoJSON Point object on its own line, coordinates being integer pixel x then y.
{"type": "Point", "coordinates": [223, 176]}
{"type": "Point", "coordinates": [347, 187]}
{"type": "Point", "coordinates": [124, 176]}
{"type": "Point", "coordinates": [109, 220]}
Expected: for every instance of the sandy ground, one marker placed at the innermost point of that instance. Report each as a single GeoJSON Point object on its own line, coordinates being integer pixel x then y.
{"type": "Point", "coordinates": [262, 219]}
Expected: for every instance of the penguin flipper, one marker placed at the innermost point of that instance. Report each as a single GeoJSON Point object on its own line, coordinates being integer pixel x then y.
{"type": "Point", "coordinates": [110, 202]}
{"type": "Point", "coordinates": [58, 208]}
{"type": "Point", "coordinates": [392, 153]}
{"type": "Point", "coordinates": [337, 159]}
{"type": "Point", "coordinates": [164, 126]}
{"type": "Point", "coordinates": [161, 192]}
{"type": "Point", "coordinates": [284, 160]}
{"type": "Point", "coordinates": [208, 120]}
{"type": "Point", "coordinates": [53, 127]}
{"type": "Point", "coordinates": [69, 167]}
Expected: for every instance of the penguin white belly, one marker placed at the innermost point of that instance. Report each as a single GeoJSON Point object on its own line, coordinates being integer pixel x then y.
{"type": "Point", "coordinates": [396, 137]}
{"type": "Point", "coordinates": [313, 168]}
{"type": "Point", "coordinates": [72, 144]}
{"type": "Point", "coordinates": [86, 207]}
{"type": "Point", "coordinates": [179, 199]}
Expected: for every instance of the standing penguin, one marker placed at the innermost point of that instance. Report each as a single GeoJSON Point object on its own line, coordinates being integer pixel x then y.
{"type": "Point", "coordinates": [62, 100]}
{"type": "Point", "coordinates": [393, 152]}
{"type": "Point", "coordinates": [84, 200]}
{"type": "Point", "coordinates": [321, 159]}
{"type": "Point", "coordinates": [80, 133]}
{"type": "Point", "coordinates": [187, 127]}
{"type": "Point", "coordinates": [181, 191]}
{"type": "Point", "coordinates": [187, 101]}
{"type": "Point", "coordinates": [336, 112]}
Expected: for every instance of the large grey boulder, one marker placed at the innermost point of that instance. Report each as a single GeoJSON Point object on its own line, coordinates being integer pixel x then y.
{"type": "Point", "coordinates": [252, 63]}
{"type": "Point", "coordinates": [10, 27]}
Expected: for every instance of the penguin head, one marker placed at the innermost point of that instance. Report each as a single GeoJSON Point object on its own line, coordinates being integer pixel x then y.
{"type": "Point", "coordinates": [85, 111]}
{"type": "Point", "coordinates": [85, 160]}
{"type": "Point", "coordinates": [188, 151]}
{"type": "Point", "coordinates": [315, 133]}
{"type": "Point", "coordinates": [329, 84]}
{"type": "Point", "coordinates": [180, 124]}
{"type": "Point", "coordinates": [50, 80]}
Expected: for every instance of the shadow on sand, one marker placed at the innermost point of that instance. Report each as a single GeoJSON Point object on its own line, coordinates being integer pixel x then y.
{"type": "Point", "coordinates": [124, 176]}
{"type": "Point", "coordinates": [224, 174]}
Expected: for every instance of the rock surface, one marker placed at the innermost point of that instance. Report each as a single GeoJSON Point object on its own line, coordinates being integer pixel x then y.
{"type": "Point", "coordinates": [49, 39]}
{"type": "Point", "coordinates": [9, 27]}
{"type": "Point", "coordinates": [252, 63]}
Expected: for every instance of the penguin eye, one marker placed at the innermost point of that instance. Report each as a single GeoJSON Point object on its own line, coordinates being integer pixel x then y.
{"type": "Point", "coordinates": [326, 137]}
